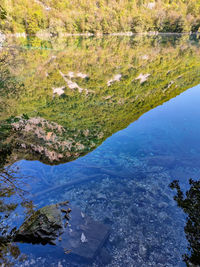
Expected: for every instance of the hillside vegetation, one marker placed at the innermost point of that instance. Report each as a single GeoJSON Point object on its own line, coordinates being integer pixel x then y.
{"type": "Point", "coordinates": [101, 16]}
{"type": "Point", "coordinates": [90, 88]}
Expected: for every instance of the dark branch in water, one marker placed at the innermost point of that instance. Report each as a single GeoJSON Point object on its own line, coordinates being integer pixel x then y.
{"type": "Point", "coordinates": [10, 185]}
{"type": "Point", "coordinates": [190, 203]}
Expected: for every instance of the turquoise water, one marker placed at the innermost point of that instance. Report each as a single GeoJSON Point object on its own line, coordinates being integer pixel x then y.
{"type": "Point", "coordinates": [147, 227]}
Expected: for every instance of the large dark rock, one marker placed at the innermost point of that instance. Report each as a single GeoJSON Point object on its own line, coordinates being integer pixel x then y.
{"type": "Point", "coordinates": [44, 226]}
{"type": "Point", "coordinates": [77, 235]}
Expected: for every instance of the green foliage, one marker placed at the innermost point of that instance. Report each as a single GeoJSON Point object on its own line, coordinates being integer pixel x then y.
{"type": "Point", "coordinates": [3, 13]}
{"type": "Point", "coordinates": [172, 23]}
{"type": "Point", "coordinates": [99, 17]}
{"type": "Point", "coordinates": [172, 62]}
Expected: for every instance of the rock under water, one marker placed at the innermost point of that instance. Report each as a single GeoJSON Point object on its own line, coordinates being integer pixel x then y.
{"type": "Point", "coordinates": [71, 230]}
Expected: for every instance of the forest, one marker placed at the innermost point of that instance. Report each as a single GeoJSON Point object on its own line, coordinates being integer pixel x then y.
{"type": "Point", "coordinates": [99, 17]}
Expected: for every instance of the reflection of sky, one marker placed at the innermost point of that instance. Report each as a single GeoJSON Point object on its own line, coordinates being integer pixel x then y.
{"type": "Point", "coordinates": [173, 125]}
{"type": "Point", "coordinates": [168, 132]}
{"type": "Point", "coordinates": [170, 129]}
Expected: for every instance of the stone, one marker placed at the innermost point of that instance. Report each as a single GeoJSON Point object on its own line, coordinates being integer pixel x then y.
{"type": "Point", "coordinates": [105, 257]}
{"type": "Point", "coordinates": [165, 161]}
{"type": "Point", "coordinates": [44, 225]}
{"type": "Point", "coordinates": [142, 250]}
{"type": "Point", "coordinates": [162, 205]}
{"type": "Point", "coordinates": [84, 237]}
{"type": "Point", "coordinates": [162, 215]}
{"type": "Point", "coordinates": [101, 196]}
{"type": "Point", "coordinates": [76, 234]}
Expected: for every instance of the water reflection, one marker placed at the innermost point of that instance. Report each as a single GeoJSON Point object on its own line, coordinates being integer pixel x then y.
{"type": "Point", "coordinates": [70, 96]}
{"type": "Point", "coordinates": [13, 201]}
{"type": "Point", "coordinates": [190, 203]}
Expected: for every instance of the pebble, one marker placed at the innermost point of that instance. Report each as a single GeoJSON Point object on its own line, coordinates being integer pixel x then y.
{"type": "Point", "coordinates": [101, 196]}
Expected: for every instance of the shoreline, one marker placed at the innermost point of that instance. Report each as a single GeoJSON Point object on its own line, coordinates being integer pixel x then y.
{"type": "Point", "coordinates": [45, 36]}
{"type": "Point", "coordinates": [63, 34]}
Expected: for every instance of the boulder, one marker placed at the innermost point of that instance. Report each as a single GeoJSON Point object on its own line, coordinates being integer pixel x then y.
{"type": "Point", "coordinates": [71, 230]}
{"type": "Point", "coordinates": [45, 225]}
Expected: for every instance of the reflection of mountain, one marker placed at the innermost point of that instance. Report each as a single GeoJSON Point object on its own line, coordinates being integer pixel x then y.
{"type": "Point", "coordinates": [78, 92]}
{"type": "Point", "coordinates": [37, 138]}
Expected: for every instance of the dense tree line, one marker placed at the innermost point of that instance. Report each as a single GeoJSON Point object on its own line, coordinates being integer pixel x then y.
{"type": "Point", "coordinates": [101, 16]}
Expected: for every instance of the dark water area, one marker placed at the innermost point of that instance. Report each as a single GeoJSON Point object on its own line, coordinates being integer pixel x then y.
{"type": "Point", "coordinates": [123, 181]}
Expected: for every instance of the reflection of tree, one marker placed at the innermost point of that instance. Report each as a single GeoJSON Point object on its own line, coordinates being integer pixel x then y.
{"type": "Point", "coordinates": [10, 186]}
{"type": "Point", "coordinates": [8, 249]}
{"type": "Point", "coordinates": [190, 203]}
{"type": "Point", "coordinates": [8, 83]}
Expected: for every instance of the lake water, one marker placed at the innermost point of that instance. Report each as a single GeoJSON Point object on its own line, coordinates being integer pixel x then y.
{"type": "Point", "coordinates": [106, 124]}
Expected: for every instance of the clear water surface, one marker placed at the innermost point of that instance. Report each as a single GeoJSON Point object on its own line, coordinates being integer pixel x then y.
{"type": "Point", "coordinates": [127, 175]}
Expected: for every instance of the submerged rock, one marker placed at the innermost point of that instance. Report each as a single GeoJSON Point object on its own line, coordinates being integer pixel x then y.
{"type": "Point", "coordinates": [101, 196]}
{"type": "Point", "coordinates": [77, 235]}
{"type": "Point", "coordinates": [105, 257]}
{"type": "Point", "coordinates": [44, 226]}
{"type": "Point", "coordinates": [84, 237]}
